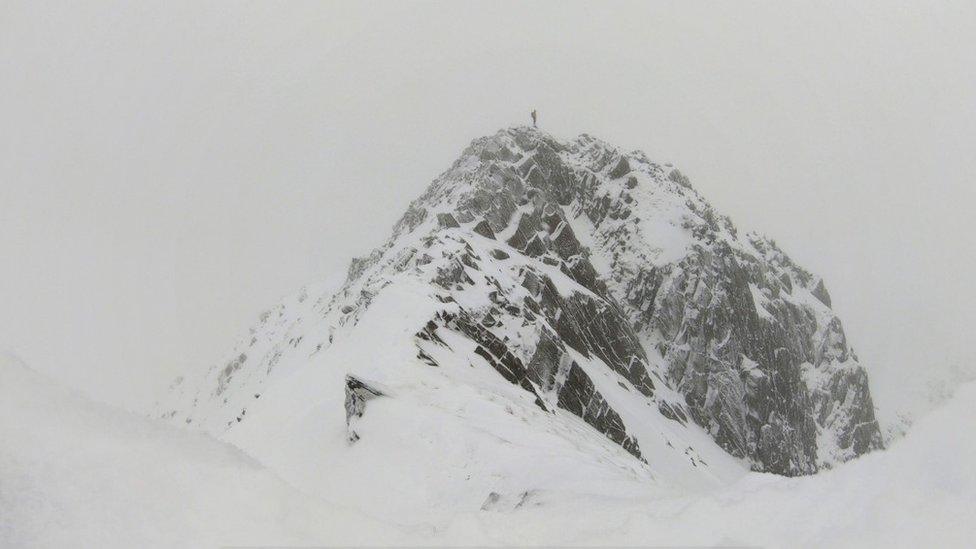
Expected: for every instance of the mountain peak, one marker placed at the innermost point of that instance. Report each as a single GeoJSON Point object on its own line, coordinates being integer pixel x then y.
{"type": "Point", "coordinates": [577, 287]}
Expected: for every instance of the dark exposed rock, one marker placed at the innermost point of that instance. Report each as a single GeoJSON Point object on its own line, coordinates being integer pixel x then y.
{"type": "Point", "coordinates": [531, 282]}
{"type": "Point", "coordinates": [491, 501]}
{"type": "Point", "coordinates": [484, 229]}
{"type": "Point", "coordinates": [820, 292]}
{"type": "Point", "coordinates": [594, 327]}
{"type": "Point", "coordinates": [358, 392]}
{"type": "Point", "coordinates": [452, 275]}
{"type": "Point", "coordinates": [496, 353]}
{"type": "Point", "coordinates": [551, 369]}
{"type": "Point", "coordinates": [708, 314]}
{"type": "Point", "coordinates": [856, 437]}
{"type": "Point", "coordinates": [535, 247]}
{"type": "Point", "coordinates": [447, 220]}
{"type": "Point", "coordinates": [427, 359]}
{"type": "Point", "coordinates": [786, 282]}
{"type": "Point", "coordinates": [621, 169]}
{"type": "Point", "coordinates": [495, 207]}
{"type": "Point", "coordinates": [582, 271]}
{"type": "Point", "coordinates": [228, 372]}
{"type": "Point", "coordinates": [679, 178]}
{"type": "Point", "coordinates": [672, 412]}
{"type": "Point", "coordinates": [564, 241]}
{"type": "Point", "coordinates": [528, 225]}
{"type": "Point", "coordinates": [580, 397]}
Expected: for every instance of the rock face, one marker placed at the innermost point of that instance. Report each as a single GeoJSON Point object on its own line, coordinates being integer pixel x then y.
{"type": "Point", "coordinates": [357, 393]}
{"type": "Point", "coordinates": [562, 265]}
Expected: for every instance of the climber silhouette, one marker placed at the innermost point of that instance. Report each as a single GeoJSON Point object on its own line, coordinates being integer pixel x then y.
{"type": "Point", "coordinates": [533, 118]}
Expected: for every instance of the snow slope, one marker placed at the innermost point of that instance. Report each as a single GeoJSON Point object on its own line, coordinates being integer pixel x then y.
{"type": "Point", "coordinates": [74, 473]}
{"type": "Point", "coordinates": [78, 474]}
{"type": "Point", "coordinates": [919, 493]}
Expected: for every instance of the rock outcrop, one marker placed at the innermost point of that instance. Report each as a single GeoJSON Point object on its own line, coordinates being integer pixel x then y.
{"type": "Point", "coordinates": [358, 392]}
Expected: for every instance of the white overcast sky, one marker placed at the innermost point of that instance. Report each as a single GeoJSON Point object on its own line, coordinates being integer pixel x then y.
{"type": "Point", "coordinates": [170, 169]}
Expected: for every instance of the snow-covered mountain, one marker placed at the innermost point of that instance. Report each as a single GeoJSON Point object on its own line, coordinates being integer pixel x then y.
{"type": "Point", "coordinates": [547, 314]}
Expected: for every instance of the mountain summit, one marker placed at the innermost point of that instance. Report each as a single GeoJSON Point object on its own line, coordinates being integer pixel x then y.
{"type": "Point", "coordinates": [546, 307]}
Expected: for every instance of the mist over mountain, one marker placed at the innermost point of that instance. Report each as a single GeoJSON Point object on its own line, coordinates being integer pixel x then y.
{"type": "Point", "coordinates": [692, 274]}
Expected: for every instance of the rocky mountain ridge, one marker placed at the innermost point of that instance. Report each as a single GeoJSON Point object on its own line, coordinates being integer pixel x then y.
{"type": "Point", "coordinates": [599, 284]}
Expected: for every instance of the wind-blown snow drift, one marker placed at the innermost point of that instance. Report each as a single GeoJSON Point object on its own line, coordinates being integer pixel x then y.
{"type": "Point", "coordinates": [79, 474]}
{"type": "Point", "coordinates": [74, 473]}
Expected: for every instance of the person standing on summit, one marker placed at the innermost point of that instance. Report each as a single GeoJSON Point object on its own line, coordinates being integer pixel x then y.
{"type": "Point", "coordinates": [533, 118]}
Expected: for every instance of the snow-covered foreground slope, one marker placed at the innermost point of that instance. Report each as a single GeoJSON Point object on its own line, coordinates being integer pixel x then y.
{"type": "Point", "coordinates": [919, 493]}
{"type": "Point", "coordinates": [78, 474]}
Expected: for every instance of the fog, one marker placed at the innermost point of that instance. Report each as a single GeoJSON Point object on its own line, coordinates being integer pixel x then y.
{"type": "Point", "coordinates": [169, 170]}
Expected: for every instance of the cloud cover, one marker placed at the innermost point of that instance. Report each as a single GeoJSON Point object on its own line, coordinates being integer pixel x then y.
{"type": "Point", "coordinates": [170, 170]}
